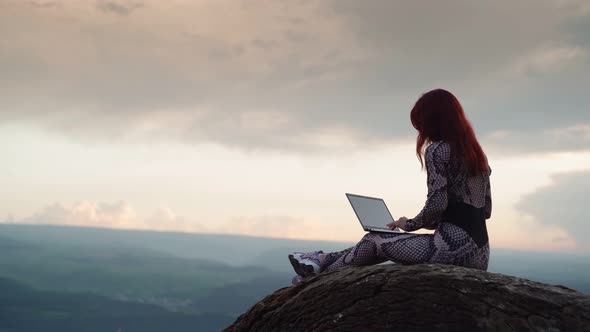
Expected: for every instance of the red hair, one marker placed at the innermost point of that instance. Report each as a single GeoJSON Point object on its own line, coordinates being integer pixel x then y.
{"type": "Point", "coordinates": [438, 116]}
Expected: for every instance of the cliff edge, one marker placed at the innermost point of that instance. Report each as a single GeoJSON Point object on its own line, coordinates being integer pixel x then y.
{"type": "Point", "coordinates": [393, 297]}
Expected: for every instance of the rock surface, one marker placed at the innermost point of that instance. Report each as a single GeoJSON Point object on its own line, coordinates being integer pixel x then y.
{"type": "Point", "coordinates": [393, 297]}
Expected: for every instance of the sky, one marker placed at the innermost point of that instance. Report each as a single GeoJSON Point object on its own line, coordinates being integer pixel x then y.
{"type": "Point", "coordinates": [254, 117]}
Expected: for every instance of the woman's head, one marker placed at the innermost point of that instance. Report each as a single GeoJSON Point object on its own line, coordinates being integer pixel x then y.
{"type": "Point", "coordinates": [438, 116]}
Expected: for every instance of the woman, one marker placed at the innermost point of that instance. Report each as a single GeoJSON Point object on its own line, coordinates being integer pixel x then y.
{"type": "Point", "coordinates": [458, 203]}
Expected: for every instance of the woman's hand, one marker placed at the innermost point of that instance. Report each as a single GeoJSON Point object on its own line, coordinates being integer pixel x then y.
{"type": "Point", "coordinates": [397, 223]}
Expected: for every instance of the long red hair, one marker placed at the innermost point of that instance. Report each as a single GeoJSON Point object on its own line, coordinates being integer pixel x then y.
{"type": "Point", "coordinates": [438, 116]}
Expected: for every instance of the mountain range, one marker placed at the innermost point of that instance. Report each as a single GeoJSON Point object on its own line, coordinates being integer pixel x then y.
{"type": "Point", "coordinates": [67, 277]}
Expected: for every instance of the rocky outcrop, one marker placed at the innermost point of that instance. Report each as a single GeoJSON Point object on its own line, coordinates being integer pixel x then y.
{"type": "Point", "coordinates": [418, 298]}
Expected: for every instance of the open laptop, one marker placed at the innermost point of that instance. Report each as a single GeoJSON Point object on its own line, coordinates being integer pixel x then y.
{"type": "Point", "coordinates": [372, 213]}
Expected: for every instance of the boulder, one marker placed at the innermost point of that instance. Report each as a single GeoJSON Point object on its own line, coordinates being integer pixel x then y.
{"type": "Point", "coordinates": [427, 297]}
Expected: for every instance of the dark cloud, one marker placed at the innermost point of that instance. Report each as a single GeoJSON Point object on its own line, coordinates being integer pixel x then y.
{"type": "Point", "coordinates": [117, 7]}
{"type": "Point", "coordinates": [578, 29]}
{"type": "Point", "coordinates": [516, 66]}
{"type": "Point", "coordinates": [564, 203]}
{"type": "Point", "coordinates": [331, 68]}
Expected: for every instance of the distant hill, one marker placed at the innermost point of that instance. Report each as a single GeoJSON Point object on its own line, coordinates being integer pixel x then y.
{"type": "Point", "coordinates": [193, 266]}
{"type": "Point", "coordinates": [24, 309]}
{"type": "Point", "coordinates": [229, 249]}
{"type": "Point", "coordinates": [571, 270]}
{"type": "Point", "coordinates": [236, 298]}
{"type": "Point", "coordinates": [132, 274]}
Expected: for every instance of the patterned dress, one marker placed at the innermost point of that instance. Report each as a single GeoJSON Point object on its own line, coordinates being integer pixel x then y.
{"type": "Point", "coordinates": [457, 207]}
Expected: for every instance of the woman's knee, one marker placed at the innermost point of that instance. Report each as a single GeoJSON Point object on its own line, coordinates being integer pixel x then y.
{"type": "Point", "coordinates": [370, 236]}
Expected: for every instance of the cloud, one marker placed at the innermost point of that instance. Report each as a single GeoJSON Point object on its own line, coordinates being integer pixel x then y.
{"type": "Point", "coordinates": [577, 7]}
{"type": "Point", "coordinates": [121, 215]}
{"type": "Point", "coordinates": [560, 138]}
{"type": "Point", "coordinates": [45, 4]}
{"type": "Point", "coordinates": [564, 204]}
{"type": "Point", "coordinates": [165, 219]}
{"type": "Point", "coordinates": [325, 70]}
{"type": "Point", "coordinates": [109, 215]}
{"type": "Point", "coordinates": [117, 8]}
{"type": "Point", "coordinates": [548, 59]}
{"type": "Point", "coordinates": [115, 215]}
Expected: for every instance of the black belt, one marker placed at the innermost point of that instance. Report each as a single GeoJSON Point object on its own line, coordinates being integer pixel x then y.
{"type": "Point", "coordinates": [471, 219]}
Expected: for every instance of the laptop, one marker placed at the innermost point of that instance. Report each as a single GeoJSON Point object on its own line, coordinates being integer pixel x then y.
{"type": "Point", "coordinates": [372, 213]}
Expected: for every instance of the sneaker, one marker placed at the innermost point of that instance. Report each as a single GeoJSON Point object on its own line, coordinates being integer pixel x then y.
{"type": "Point", "coordinates": [306, 264]}
{"type": "Point", "coordinates": [296, 280]}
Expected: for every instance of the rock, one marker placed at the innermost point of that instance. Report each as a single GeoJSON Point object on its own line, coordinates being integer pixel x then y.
{"type": "Point", "coordinates": [393, 297]}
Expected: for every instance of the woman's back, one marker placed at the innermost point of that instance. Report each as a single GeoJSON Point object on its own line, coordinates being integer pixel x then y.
{"type": "Point", "coordinates": [462, 187]}
{"type": "Point", "coordinates": [455, 195]}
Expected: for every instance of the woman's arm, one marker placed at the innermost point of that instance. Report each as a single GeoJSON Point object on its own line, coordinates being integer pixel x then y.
{"type": "Point", "coordinates": [437, 164]}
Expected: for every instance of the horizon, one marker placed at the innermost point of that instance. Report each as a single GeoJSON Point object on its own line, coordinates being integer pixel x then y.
{"type": "Point", "coordinates": [254, 237]}
{"type": "Point", "coordinates": [254, 119]}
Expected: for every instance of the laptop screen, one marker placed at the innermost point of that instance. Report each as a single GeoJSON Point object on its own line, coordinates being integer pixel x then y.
{"type": "Point", "coordinates": [371, 212]}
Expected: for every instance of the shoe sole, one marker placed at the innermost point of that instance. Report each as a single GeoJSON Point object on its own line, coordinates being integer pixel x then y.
{"type": "Point", "coordinates": [301, 269]}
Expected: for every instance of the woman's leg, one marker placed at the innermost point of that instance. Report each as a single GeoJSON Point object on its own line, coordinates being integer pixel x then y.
{"type": "Point", "coordinates": [448, 245]}
{"type": "Point", "coordinates": [330, 258]}
{"type": "Point", "coordinates": [363, 254]}
{"type": "Point", "coordinates": [456, 247]}
{"type": "Point", "coordinates": [375, 248]}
